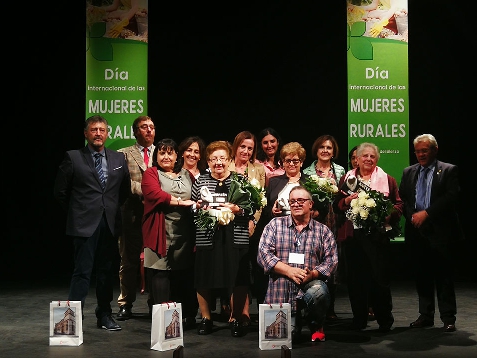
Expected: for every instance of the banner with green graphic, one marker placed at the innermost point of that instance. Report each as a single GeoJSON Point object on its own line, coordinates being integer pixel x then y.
{"type": "Point", "coordinates": [378, 102]}
{"type": "Point", "coordinates": [116, 65]}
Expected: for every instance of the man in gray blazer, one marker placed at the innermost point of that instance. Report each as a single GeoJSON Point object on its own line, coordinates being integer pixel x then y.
{"type": "Point", "coordinates": [130, 242]}
{"type": "Point", "coordinates": [91, 185]}
{"type": "Point", "coordinates": [430, 191]}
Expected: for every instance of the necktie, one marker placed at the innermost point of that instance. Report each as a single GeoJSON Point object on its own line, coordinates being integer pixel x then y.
{"type": "Point", "coordinates": [99, 168]}
{"type": "Point", "coordinates": [146, 156]}
{"type": "Point", "coordinates": [422, 189]}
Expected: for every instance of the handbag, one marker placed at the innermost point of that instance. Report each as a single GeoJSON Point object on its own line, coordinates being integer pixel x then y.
{"type": "Point", "coordinates": [66, 323]}
{"type": "Point", "coordinates": [166, 328]}
{"type": "Point", "coordinates": [274, 326]}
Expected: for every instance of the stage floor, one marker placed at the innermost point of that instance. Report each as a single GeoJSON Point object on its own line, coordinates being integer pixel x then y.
{"type": "Point", "coordinates": [24, 329]}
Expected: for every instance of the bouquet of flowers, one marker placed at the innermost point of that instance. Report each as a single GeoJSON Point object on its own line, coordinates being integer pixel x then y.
{"type": "Point", "coordinates": [369, 211]}
{"type": "Point", "coordinates": [249, 195]}
{"type": "Point", "coordinates": [210, 218]}
{"type": "Point", "coordinates": [323, 190]}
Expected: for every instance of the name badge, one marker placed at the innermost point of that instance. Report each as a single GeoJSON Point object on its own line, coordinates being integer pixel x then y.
{"type": "Point", "coordinates": [295, 258]}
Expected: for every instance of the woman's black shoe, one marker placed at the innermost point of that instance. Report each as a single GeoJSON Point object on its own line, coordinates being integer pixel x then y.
{"type": "Point", "coordinates": [237, 329]}
{"type": "Point", "coordinates": [205, 326]}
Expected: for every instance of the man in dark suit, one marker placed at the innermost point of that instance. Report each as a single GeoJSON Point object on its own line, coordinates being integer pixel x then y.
{"type": "Point", "coordinates": [91, 185]}
{"type": "Point", "coordinates": [430, 192]}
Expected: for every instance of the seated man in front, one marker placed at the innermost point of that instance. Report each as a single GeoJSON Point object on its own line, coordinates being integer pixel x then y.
{"type": "Point", "coordinates": [299, 253]}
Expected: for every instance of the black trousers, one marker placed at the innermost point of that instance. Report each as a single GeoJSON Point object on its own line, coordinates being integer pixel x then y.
{"type": "Point", "coordinates": [177, 286]}
{"type": "Point", "coordinates": [367, 259]}
{"type": "Point", "coordinates": [433, 262]}
{"type": "Point", "coordinates": [99, 252]}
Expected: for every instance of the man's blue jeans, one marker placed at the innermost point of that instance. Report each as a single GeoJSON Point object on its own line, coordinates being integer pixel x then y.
{"type": "Point", "coordinates": [312, 306]}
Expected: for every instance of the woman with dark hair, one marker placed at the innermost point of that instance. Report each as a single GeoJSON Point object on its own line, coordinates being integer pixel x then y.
{"type": "Point", "coordinates": [269, 145]}
{"type": "Point", "coordinates": [168, 230]}
{"type": "Point", "coordinates": [325, 149]}
{"type": "Point", "coordinates": [192, 155]}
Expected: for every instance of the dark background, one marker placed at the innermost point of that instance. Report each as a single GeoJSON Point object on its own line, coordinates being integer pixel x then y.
{"type": "Point", "coordinates": [215, 71]}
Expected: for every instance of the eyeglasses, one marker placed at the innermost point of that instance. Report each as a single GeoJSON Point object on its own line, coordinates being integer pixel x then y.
{"type": "Point", "coordinates": [146, 126]}
{"type": "Point", "coordinates": [300, 201]}
{"type": "Point", "coordinates": [215, 160]}
{"type": "Point", "coordinates": [294, 161]}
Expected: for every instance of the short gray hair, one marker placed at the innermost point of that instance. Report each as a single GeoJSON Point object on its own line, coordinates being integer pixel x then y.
{"type": "Point", "coordinates": [365, 145]}
{"type": "Point", "coordinates": [426, 137]}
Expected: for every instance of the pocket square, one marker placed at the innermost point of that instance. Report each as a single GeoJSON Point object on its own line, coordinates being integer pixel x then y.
{"type": "Point", "coordinates": [118, 168]}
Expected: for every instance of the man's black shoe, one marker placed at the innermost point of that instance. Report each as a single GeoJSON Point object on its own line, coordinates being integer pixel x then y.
{"type": "Point", "coordinates": [422, 322]}
{"type": "Point", "coordinates": [449, 328]}
{"type": "Point", "coordinates": [124, 313]}
{"type": "Point", "coordinates": [108, 323]}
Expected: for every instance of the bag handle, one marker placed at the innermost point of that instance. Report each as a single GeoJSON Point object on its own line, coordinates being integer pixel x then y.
{"type": "Point", "coordinates": [169, 302]}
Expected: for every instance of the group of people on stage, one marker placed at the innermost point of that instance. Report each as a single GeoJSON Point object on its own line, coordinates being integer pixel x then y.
{"type": "Point", "coordinates": [152, 197]}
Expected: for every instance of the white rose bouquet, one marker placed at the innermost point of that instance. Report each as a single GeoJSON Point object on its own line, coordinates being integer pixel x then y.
{"type": "Point", "coordinates": [210, 218]}
{"type": "Point", "coordinates": [369, 211]}
{"type": "Point", "coordinates": [323, 190]}
{"type": "Point", "coordinates": [249, 195]}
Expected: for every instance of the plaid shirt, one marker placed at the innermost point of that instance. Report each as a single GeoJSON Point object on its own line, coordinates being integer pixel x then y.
{"type": "Point", "coordinates": [279, 238]}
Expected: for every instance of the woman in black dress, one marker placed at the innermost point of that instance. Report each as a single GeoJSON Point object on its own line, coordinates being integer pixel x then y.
{"type": "Point", "coordinates": [222, 261]}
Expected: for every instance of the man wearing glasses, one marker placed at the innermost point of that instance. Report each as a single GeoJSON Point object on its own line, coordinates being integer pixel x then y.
{"type": "Point", "coordinates": [138, 158]}
{"type": "Point", "coordinates": [299, 254]}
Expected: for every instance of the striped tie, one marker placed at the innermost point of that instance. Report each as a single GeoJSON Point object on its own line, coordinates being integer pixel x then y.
{"type": "Point", "coordinates": [99, 168]}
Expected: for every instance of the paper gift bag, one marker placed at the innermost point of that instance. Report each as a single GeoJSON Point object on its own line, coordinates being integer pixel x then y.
{"type": "Point", "coordinates": [274, 326]}
{"type": "Point", "coordinates": [166, 329]}
{"type": "Point", "coordinates": [66, 323]}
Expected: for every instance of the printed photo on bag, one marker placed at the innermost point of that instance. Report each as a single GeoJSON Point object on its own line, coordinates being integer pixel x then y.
{"type": "Point", "coordinates": [274, 326]}
{"type": "Point", "coordinates": [166, 329]}
{"type": "Point", "coordinates": [66, 327]}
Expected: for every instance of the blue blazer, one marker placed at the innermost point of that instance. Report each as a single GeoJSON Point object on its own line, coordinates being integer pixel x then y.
{"type": "Point", "coordinates": [78, 190]}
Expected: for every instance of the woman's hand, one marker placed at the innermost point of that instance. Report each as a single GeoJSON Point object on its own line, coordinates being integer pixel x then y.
{"type": "Point", "coordinates": [276, 209]}
{"type": "Point", "coordinates": [347, 200]}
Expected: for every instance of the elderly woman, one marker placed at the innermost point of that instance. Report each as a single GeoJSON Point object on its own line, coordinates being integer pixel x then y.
{"type": "Point", "coordinates": [367, 254]}
{"type": "Point", "coordinates": [222, 260]}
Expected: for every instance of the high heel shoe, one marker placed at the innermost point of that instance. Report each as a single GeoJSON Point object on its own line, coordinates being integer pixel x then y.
{"type": "Point", "coordinates": [237, 329]}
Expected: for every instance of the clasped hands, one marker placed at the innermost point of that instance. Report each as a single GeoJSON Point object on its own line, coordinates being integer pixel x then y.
{"type": "Point", "coordinates": [299, 275]}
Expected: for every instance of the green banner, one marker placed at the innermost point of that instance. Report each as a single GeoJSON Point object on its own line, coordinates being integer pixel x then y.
{"type": "Point", "coordinates": [116, 65]}
{"type": "Point", "coordinates": [378, 102]}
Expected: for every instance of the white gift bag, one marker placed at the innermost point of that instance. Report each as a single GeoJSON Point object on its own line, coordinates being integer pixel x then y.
{"type": "Point", "coordinates": [166, 329]}
{"type": "Point", "coordinates": [66, 323]}
{"type": "Point", "coordinates": [274, 326]}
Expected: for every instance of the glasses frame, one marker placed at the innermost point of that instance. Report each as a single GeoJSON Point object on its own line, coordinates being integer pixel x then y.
{"type": "Point", "coordinates": [292, 161]}
{"type": "Point", "coordinates": [216, 160]}
{"type": "Point", "coordinates": [299, 201]}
